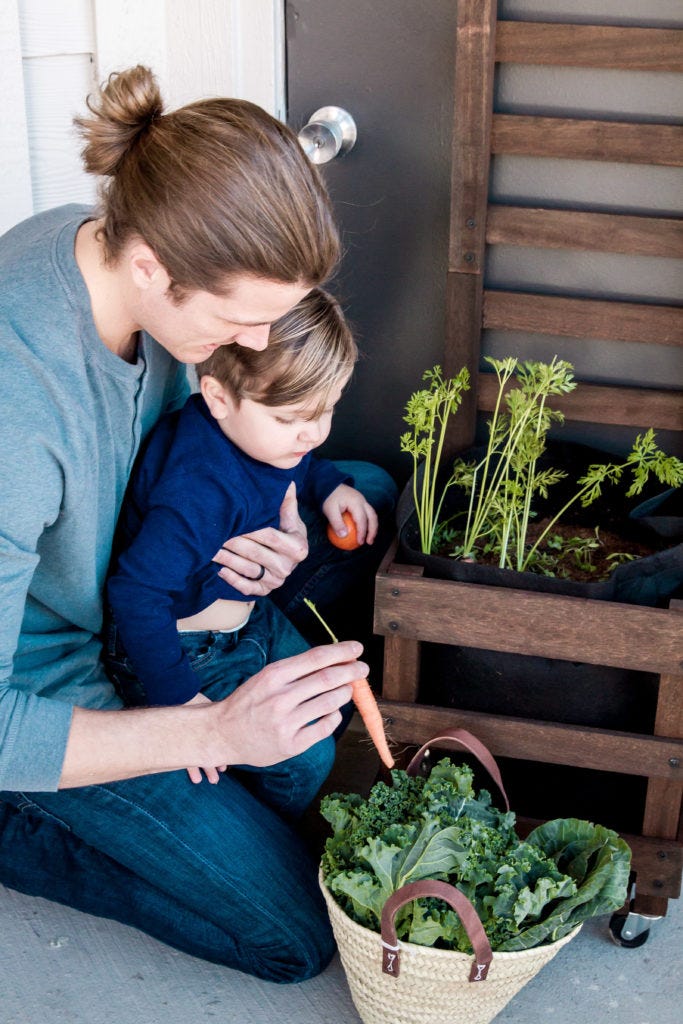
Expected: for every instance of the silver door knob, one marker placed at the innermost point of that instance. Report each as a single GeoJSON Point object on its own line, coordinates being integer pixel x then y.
{"type": "Point", "coordinates": [330, 132]}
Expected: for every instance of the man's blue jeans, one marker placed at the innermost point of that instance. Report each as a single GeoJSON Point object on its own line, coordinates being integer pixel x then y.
{"type": "Point", "coordinates": [212, 870]}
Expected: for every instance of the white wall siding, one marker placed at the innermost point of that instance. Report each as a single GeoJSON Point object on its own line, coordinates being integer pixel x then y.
{"type": "Point", "coordinates": [58, 45]}
{"type": "Point", "coordinates": [54, 52]}
{"type": "Point", "coordinates": [16, 201]}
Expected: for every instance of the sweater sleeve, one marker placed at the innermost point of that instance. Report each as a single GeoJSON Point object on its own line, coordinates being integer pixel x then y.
{"type": "Point", "coordinates": [33, 729]}
{"type": "Point", "coordinates": [322, 477]}
{"type": "Point", "coordinates": [179, 536]}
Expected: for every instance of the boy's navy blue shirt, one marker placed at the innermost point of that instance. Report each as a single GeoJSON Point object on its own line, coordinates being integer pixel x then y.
{"type": "Point", "coordinates": [192, 489]}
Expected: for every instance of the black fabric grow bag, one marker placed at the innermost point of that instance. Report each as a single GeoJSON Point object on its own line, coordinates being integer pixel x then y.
{"type": "Point", "coordinates": [549, 689]}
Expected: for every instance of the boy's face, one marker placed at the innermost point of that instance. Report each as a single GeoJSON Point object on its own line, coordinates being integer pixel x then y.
{"type": "Point", "coordinates": [279, 435]}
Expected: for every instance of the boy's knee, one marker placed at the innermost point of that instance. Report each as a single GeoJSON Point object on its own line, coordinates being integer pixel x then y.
{"type": "Point", "coordinates": [374, 483]}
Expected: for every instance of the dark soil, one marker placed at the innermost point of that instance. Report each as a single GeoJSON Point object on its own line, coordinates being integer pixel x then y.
{"type": "Point", "coordinates": [566, 567]}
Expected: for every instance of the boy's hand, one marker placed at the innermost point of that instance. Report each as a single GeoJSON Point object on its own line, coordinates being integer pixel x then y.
{"type": "Point", "coordinates": [212, 774]}
{"type": "Point", "coordinates": [259, 562]}
{"type": "Point", "coordinates": [348, 499]}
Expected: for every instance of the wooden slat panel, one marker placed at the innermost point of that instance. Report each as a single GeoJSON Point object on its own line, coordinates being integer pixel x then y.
{"type": "Point", "coordinates": [470, 155]}
{"type": "Point", "coordinates": [579, 229]}
{"type": "Point", "coordinates": [462, 348]}
{"type": "Point", "coordinates": [590, 46]}
{"type": "Point", "coordinates": [568, 138]}
{"type": "Point", "coordinates": [595, 403]}
{"type": "Point", "coordinates": [523, 738]}
{"type": "Point", "coordinates": [401, 674]}
{"type": "Point", "coordinates": [401, 657]}
{"type": "Point", "coordinates": [498, 619]}
{"type": "Point", "coordinates": [583, 318]}
{"type": "Point", "coordinates": [664, 799]}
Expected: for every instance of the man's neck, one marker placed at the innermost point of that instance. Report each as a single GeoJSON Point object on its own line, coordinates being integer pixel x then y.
{"type": "Point", "coordinates": [106, 288]}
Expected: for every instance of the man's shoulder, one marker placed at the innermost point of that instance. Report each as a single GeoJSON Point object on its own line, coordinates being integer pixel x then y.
{"type": "Point", "coordinates": [41, 226]}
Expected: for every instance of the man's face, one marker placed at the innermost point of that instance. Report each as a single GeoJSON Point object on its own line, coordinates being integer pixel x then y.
{"type": "Point", "coordinates": [196, 327]}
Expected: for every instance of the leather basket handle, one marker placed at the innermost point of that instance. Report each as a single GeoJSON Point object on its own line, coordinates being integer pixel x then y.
{"type": "Point", "coordinates": [455, 899]}
{"type": "Point", "coordinates": [450, 738]}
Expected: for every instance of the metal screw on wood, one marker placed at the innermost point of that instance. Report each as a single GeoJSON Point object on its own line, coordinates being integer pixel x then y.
{"type": "Point", "coordinates": [674, 762]}
{"type": "Point", "coordinates": [395, 592]}
{"type": "Point", "coordinates": [469, 257]}
{"type": "Point", "coordinates": [393, 626]}
{"type": "Point", "coordinates": [471, 222]}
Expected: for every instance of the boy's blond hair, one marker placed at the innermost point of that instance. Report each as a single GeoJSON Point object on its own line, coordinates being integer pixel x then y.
{"type": "Point", "coordinates": [310, 351]}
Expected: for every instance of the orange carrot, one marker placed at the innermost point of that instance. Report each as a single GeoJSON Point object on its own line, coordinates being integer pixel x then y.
{"type": "Point", "coordinates": [365, 702]}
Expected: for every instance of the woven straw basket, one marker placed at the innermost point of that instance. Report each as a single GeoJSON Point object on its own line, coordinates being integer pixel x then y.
{"type": "Point", "coordinates": [395, 982]}
{"type": "Point", "coordinates": [433, 985]}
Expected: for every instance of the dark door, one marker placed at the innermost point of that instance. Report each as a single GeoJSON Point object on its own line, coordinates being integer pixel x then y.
{"type": "Point", "coordinates": [390, 64]}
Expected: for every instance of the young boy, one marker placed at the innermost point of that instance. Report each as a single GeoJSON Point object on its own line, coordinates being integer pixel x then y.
{"type": "Point", "coordinates": [220, 468]}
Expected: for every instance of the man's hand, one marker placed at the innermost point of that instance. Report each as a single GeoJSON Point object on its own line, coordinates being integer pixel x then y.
{"type": "Point", "coordinates": [288, 706]}
{"type": "Point", "coordinates": [259, 562]}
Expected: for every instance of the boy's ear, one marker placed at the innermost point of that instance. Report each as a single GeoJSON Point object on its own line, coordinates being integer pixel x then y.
{"type": "Point", "coordinates": [216, 396]}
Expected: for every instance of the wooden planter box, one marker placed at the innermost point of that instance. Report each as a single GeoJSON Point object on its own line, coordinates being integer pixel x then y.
{"type": "Point", "coordinates": [410, 609]}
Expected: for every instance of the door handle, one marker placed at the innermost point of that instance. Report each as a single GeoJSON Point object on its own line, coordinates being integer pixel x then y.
{"type": "Point", "coordinates": [330, 132]}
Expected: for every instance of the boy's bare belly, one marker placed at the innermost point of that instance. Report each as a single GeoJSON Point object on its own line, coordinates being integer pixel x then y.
{"type": "Point", "coordinates": [219, 615]}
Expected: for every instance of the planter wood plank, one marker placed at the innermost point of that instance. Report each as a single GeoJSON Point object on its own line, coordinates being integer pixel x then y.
{"type": "Point", "coordinates": [411, 609]}
{"type": "Point", "coordinates": [469, 614]}
{"type": "Point", "coordinates": [550, 743]}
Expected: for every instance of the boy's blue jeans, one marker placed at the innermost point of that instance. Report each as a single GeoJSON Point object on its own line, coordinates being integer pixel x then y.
{"type": "Point", "coordinates": [213, 870]}
{"type": "Point", "coordinates": [221, 663]}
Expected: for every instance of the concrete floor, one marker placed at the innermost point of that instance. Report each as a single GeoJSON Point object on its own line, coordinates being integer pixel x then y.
{"type": "Point", "coordinates": [58, 966]}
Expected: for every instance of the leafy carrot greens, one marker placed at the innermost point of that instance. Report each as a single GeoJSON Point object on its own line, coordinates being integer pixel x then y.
{"type": "Point", "coordinates": [526, 892]}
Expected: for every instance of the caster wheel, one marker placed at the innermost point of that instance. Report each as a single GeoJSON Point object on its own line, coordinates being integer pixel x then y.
{"type": "Point", "coordinates": [616, 927]}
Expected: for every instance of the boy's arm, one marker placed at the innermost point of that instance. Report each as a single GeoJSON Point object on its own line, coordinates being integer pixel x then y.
{"type": "Point", "coordinates": [320, 477]}
{"type": "Point", "coordinates": [176, 540]}
{"type": "Point", "coordinates": [276, 551]}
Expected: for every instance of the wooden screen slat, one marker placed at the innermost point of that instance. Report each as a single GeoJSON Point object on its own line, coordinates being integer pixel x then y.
{"type": "Point", "coordinates": [444, 611]}
{"type": "Point", "coordinates": [583, 318]}
{"type": "Point", "coordinates": [470, 155]}
{"type": "Point", "coordinates": [590, 46]}
{"type": "Point", "coordinates": [532, 740]}
{"type": "Point", "coordinates": [595, 403]}
{"type": "Point", "coordinates": [470, 160]}
{"type": "Point", "coordinates": [580, 229]}
{"type": "Point", "coordinates": [663, 801]}
{"type": "Point", "coordinates": [569, 138]}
